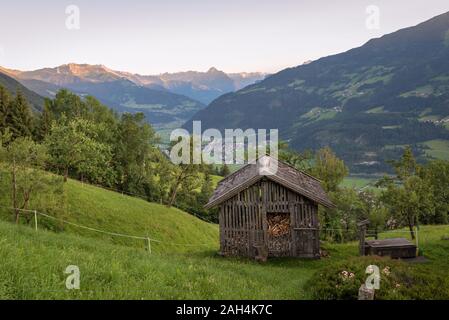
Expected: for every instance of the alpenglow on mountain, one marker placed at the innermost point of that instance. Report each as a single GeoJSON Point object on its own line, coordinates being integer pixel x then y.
{"type": "Point", "coordinates": [366, 103]}
{"type": "Point", "coordinates": [201, 86]}
{"type": "Point", "coordinates": [167, 100]}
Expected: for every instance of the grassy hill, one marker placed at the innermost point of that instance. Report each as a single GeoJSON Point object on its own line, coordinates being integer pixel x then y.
{"type": "Point", "coordinates": [33, 263]}
{"type": "Point", "coordinates": [107, 210]}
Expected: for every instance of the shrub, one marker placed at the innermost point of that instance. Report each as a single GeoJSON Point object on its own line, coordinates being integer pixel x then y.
{"type": "Point", "coordinates": [398, 280]}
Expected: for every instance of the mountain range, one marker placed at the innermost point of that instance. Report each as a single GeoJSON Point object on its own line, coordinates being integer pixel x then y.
{"type": "Point", "coordinates": [201, 86]}
{"type": "Point", "coordinates": [167, 100]}
{"type": "Point", "coordinates": [366, 103]}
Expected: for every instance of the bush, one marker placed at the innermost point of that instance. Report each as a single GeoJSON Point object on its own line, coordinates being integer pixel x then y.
{"type": "Point", "coordinates": [398, 280]}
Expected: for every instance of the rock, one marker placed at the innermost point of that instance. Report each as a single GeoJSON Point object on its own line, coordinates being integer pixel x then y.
{"type": "Point", "coordinates": [365, 293]}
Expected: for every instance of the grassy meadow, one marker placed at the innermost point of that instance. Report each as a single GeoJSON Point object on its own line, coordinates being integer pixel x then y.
{"type": "Point", "coordinates": [185, 266]}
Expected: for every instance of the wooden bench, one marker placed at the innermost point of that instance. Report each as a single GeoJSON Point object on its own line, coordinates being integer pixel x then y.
{"type": "Point", "coordinates": [396, 248]}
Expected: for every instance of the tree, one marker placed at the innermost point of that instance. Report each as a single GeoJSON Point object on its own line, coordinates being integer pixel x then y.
{"type": "Point", "coordinates": [67, 104]}
{"type": "Point", "coordinates": [162, 179]}
{"type": "Point", "coordinates": [329, 169]}
{"type": "Point", "coordinates": [406, 166]}
{"type": "Point", "coordinates": [299, 160]}
{"type": "Point", "coordinates": [437, 174]}
{"type": "Point", "coordinates": [324, 165]}
{"type": "Point", "coordinates": [73, 145]}
{"type": "Point", "coordinates": [410, 202]}
{"type": "Point", "coordinates": [409, 197]}
{"type": "Point", "coordinates": [186, 178]}
{"type": "Point", "coordinates": [341, 220]}
{"type": "Point", "coordinates": [207, 189]}
{"type": "Point", "coordinates": [25, 161]}
{"type": "Point", "coordinates": [19, 118]}
{"type": "Point", "coordinates": [186, 175]}
{"type": "Point", "coordinates": [4, 108]}
{"type": "Point", "coordinates": [45, 121]}
{"type": "Point", "coordinates": [373, 210]}
{"type": "Point", "coordinates": [224, 172]}
{"type": "Point", "coordinates": [133, 150]}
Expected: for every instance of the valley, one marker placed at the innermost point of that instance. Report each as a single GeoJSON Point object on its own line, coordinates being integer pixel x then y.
{"type": "Point", "coordinates": [364, 103]}
{"type": "Point", "coordinates": [224, 150]}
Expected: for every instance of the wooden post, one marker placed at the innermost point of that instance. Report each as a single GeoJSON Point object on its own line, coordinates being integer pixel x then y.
{"type": "Point", "coordinates": [417, 243]}
{"type": "Point", "coordinates": [149, 245]}
{"type": "Point", "coordinates": [221, 223]}
{"type": "Point", "coordinates": [35, 220]}
{"type": "Point", "coordinates": [291, 210]}
{"type": "Point", "coordinates": [264, 213]}
{"type": "Point", "coordinates": [362, 234]}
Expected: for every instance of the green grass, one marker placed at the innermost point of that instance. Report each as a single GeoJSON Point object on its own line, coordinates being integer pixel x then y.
{"type": "Point", "coordinates": [394, 146]}
{"type": "Point", "coordinates": [439, 149]}
{"type": "Point", "coordinates": [431, 118]}
{"type": "Point", "coordinates": [33, 263]}
{"type": "Point", "coordinates": [107, 210]}
{"type": "Point", "coordinates": [357, 182]}
{"type": "Point", "coordinates": [215, 180]}
{"type": "Point", "coordinates": [376, 110]}
{"type": "Point", "coordinates": [318, 114]}
{"type": "Point", "coordinates": [423, 91]}
{"type": "Point", "coordinates": [446, 125]}
{"type": "Point", "coordinates": [232, 167]}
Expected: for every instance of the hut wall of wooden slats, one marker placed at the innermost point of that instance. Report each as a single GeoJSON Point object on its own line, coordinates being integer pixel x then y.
{"type": "Point", "coordinates": [244, 222]}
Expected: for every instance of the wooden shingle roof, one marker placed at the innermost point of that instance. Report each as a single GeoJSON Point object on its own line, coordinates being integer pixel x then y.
{"type": "Point", "coordinates": [285, 175]}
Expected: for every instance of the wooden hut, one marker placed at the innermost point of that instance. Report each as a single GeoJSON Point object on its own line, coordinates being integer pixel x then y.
{"type": "Point", "coordinates": [271, 213]}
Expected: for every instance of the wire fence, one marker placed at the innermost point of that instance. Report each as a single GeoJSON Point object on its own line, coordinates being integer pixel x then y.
{"type": "Point", "coordinates": [148, 240]}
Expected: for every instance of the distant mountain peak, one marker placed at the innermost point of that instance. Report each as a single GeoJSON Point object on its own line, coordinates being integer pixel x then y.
{"type": "Point", "coordinates": [84, 69]}
{"type": "Point", "coordinates": [214, 70]}
{"type": "Point", "coordinates": [201, 86]}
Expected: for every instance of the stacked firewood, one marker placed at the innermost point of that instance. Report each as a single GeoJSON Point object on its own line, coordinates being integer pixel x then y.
{"type": "Point", "coordinates": [279, 246]}
{"type": "Point", "coordinates": [278, 225]}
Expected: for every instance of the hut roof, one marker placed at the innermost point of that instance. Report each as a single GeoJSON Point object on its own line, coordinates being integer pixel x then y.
{"type": "Point", "coordinates": [285, 175]}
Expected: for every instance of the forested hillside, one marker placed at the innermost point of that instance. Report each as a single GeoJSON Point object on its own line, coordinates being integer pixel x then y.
{"type": "Point", "coordinates": [12, 85]}
{"type": "Point", "coordinates": [366, 103]}
{"type": "Point", "coordinates": [86, 140]}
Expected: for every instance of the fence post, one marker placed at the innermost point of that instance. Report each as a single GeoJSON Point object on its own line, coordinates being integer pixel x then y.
{"type": "Point", "coordinates": [149, 245]}
{"type": "Point", "coordinates": [35, 220]}
{"type": "Point", "coordinates": [417, 242]}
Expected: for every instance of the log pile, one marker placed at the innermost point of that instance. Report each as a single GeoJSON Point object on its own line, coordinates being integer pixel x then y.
{"type": "Point", "coordinates": [237, 245]}
{"type": "Point", "coordinates": [278, 225]}
{"type": "Point", "coordinates": [279, 234]}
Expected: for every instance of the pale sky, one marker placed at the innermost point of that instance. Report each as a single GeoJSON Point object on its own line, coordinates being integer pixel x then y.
{"type": "Point", "coordinates": [155, 36]}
